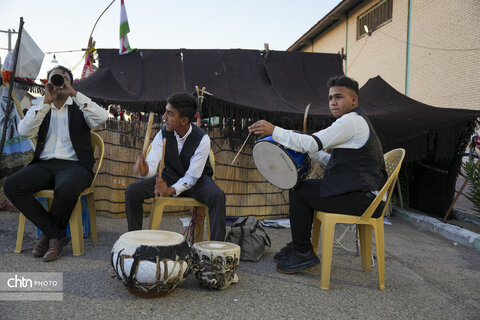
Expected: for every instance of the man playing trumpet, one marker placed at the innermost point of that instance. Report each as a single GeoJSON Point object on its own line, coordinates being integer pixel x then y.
{"type": "Point", "coordinates": [63, 159]}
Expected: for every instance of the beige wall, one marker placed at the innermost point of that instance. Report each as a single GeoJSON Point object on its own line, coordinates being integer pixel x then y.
{"type": "Point", "coordinates": [331, 42]}
{"type": "Point", "coordinates": [440, 77]}
{"type": "Point", "coordinates": [379, 53]}
{"type": "Point", "coordinates": [437, 77]}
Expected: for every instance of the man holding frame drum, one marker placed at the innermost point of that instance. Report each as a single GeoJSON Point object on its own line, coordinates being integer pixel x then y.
{"type": "Point", "coordinates": [354, 171]}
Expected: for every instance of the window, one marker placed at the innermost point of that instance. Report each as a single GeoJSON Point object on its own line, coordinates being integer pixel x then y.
{"type": "Point", "coordinates": [375, 17]}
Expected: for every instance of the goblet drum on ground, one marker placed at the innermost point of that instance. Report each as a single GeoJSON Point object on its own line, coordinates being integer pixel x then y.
{"type": "Point", "coordinates": [215, 263]}
{"type": "Point", "coordinates": [151, 262]}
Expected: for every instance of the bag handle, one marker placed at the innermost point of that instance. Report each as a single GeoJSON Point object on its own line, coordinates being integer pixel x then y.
{"type": "Point", "coordinates": [239, 221]}
{"type": "Point", "coordinates": [267, 240]}
{"type": "Point", "coordinates": [242, 235]}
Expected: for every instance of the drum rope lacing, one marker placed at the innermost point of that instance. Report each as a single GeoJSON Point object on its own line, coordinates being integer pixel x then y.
{"type": "Point", "coordinates": [189, 232]}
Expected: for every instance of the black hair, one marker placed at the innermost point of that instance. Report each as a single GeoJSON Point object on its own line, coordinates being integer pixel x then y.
{"type": "Point", "coordinates": [185, 104]}
{"type": "Point", "coordinates": [64, 70]}
{"type": "Point", "coordinates": [343, 81]}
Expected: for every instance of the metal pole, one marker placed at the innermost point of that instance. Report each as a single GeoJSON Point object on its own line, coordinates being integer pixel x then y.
{"type": "Point", "coordinates": [9, 39]}
{"type": "Point", "coordinates": [8, 108]}
{"type": "Point", "coordinates": [9, 33]}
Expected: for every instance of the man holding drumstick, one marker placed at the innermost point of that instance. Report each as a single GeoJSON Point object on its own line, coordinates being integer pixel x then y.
{"type": "Point", "coordinates": [354, 171]}
{"type": "Point", "coordinates": [187, 172]}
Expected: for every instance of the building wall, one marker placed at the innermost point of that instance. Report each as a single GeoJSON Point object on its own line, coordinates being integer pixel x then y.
{"type": "Point", "coordinates": [379, 53]}
{"type": "Point", "coordinates": [440, 76]}
{"type": "Point", "coordinates": [331, 42]}
{"type": "Point", "coordinates": [444, 65]}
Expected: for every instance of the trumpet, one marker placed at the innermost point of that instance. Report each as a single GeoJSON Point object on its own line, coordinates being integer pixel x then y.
{"type": "Point", "coordinates": [58, 81]}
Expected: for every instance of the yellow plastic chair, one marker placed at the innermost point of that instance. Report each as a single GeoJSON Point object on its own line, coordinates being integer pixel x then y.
{"type": "Point", "coordinates": [160, 203]}
{"type": "Point", "coordinates": [75, 222]}
{"type": "Point", "coordinates": [327, 221]}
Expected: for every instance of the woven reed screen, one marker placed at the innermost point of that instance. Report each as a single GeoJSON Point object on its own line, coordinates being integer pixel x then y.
{"type": "Point", "coordinates": [247, 192]}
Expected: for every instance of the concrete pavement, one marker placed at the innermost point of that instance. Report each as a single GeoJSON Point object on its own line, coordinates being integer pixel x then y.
{"type": "Point", "coordinates": [427, 277]}
{"type": "Point", "coordinates": [444, 229]}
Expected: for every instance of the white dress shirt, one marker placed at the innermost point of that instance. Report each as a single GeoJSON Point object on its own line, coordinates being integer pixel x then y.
{"type": "Point", "coordinates": [197, 161]}
{"type": "Point", "coordinates": [58, 144]}
{"type": "Point", "coordinates": [350, 131]}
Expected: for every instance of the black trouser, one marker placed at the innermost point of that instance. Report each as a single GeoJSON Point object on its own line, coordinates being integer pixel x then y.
{"type": "Point", "coordinates": [67, 178]}
{"type": "Point", "coordinates": [205, 191]}
{"type": "Point", "coordinates": [305, 199]}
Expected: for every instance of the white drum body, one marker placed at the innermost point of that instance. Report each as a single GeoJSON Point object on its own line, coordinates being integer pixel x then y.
{"type": "Point", "coordinates": [151, 262]}
{"type": "Point", "coordinates": [215, 263]}
{"type": "Point", "coordinates": [282, 167]}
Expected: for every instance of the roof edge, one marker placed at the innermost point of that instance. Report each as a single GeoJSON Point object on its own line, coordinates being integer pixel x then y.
{"type": "Point", "coordinates": [338, 13]}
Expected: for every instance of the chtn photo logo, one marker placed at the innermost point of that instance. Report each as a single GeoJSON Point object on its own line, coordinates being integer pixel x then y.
{"type": "Point", "coordinates": [35, 286]}
{"type": "Point", "coordinates": [17, 282]}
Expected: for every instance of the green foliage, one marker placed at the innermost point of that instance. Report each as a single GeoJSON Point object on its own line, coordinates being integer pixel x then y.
{"type": "Point", "coordinates": [472, 172]}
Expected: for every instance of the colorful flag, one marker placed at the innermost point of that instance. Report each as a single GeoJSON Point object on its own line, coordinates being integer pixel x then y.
{"type": "Point", "coordinates": [18, 150]}
{"type": "Point", "coordinates": [124, 29]}
{"type": "Point", "coordinates": [89, 67]}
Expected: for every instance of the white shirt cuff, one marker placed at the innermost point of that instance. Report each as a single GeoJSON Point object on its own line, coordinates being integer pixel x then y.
{"type": "Point", "coordinates": [81, 99]}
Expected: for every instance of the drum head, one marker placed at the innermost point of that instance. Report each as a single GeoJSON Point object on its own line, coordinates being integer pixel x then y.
{"type": "Point", "coordinates": [130, 241]}
{"type": "Point", "coordinates": [216, 246]}
{"type": "Point", "coordinates": [275, 165]}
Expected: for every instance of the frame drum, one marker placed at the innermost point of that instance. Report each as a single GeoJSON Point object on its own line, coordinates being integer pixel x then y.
{"type": "Point", "coordinates": [282, 167]}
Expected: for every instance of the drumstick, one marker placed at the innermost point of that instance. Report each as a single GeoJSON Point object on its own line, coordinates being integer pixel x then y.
{"type": "Point", "coordinates": [305, 118]}
{"type": "Point", "coordinates": [243, 145]}
{"type": "Point", "coordinates": [146, 142]}
{"type": "Point", "coordinates": [199, 121]}
{"type": "Point", "coordinates": [162, 162]}
{"type": "Point", "coordinates": [200, 102]}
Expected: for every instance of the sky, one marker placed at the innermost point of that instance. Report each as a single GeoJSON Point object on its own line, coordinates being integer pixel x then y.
{"type": "Point", "coordinates": [65, 25]}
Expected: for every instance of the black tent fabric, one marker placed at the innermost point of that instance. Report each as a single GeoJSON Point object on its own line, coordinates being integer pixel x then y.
{"type": "Point", "coordinates": [276, 85]}
{"type": "Point", "coordinates": [403, 122]}
{"type": "Point", "coordinates": [247, 85]}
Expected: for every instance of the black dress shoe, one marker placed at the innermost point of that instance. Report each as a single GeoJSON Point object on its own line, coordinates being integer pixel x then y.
{"type": "Point", "coordinates": [296, 261]}
{"type": "Point", "coordinates": [41, 246]}
{"type": "Point", "coordinates": [283, 252]}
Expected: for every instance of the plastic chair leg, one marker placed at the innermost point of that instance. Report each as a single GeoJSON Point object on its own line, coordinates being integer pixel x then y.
{"type": "Point", "coordinates": [157, 215]}
{"type": "Point", "coordinates": [315, 233]}
{"type": "Point", "coordinates": [207, 217]}
{"type": "Point", "coordinates": [20, 232]}
{"type": "Point", "coordinates": [76, 229]}
{"type": "Point", "coordinates": [327, 234]}
{"type": "Point", "coordinates": [380, 244]}
{"type": "Point", "coordinates": [365, 232]}
{"type": "Point", "coordinates": [93, 216]}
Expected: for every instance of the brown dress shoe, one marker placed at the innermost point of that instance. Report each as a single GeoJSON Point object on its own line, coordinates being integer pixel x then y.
{"type": "Point", "coordinates": [41, 247]}
{"type": "Point", "coordinates": [54, 250]}
{"type": "Point", "coordinates": [64, 241]}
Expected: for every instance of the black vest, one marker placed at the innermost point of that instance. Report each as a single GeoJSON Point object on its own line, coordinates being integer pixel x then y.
{"type": "Point", "coordinates": [176, 165]}
{"type": "Point", "coordinates": [355, 169]}
{"type": "Point", "coordinates": [79, 135]}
